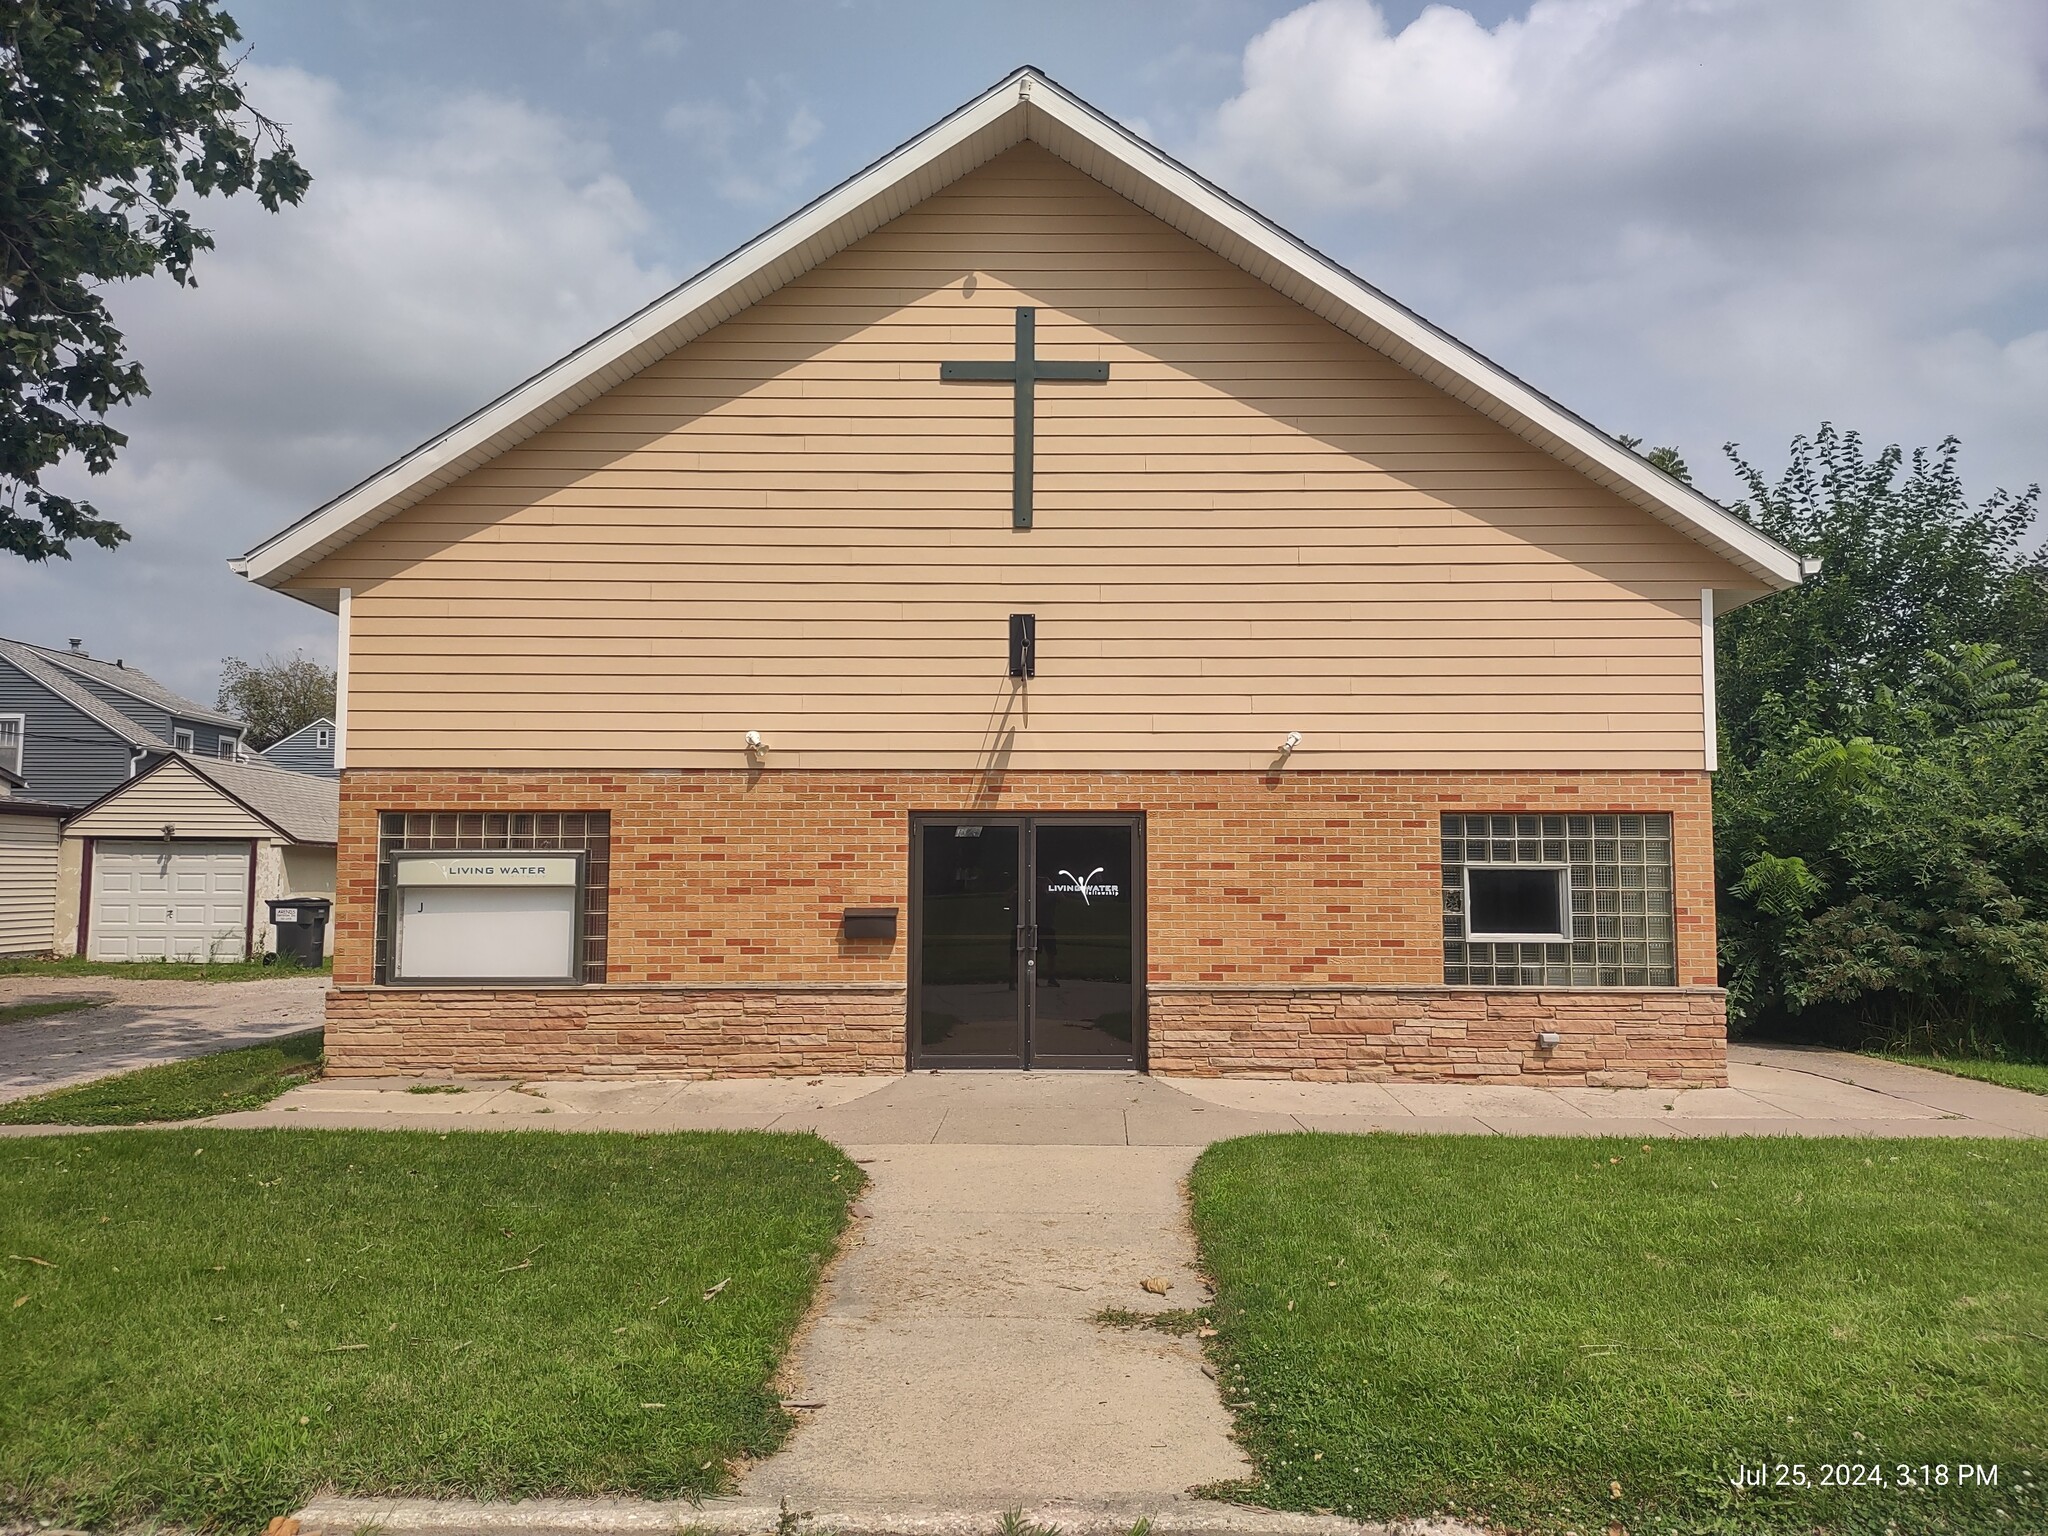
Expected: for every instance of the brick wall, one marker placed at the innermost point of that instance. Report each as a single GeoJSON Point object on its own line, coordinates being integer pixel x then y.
{"type": "Point", "coordinates": [735, 879]}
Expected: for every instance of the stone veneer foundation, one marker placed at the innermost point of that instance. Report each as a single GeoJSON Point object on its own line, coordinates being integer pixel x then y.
{"type": "Point", "coordinates": [1294, 927]}
{"type": "Point", "coordinates": [1628, 1039]}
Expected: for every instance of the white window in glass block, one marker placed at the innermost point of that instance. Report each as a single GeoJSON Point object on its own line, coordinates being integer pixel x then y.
{"type": "Point", "coordinates": [1558, 901]}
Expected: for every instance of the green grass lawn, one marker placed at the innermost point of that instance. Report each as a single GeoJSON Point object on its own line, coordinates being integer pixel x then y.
{"type": "Point", "coordinates": [1556, 1334]}
{"type": "Point", "coordinates": [223, 1322]}
{"type": "Point", "coordinates": [18, 1013]}
{"type": "Point", "coordinates": [165, 970]}
{"type": "Point", "coordinates": [2027, 1075]}
{"type": "Point", "coordinates": [247, 1078]}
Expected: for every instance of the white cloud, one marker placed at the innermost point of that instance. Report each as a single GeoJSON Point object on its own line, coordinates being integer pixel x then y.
{"type": "Point", "coordinates": [755, 150]}
{"type": "Point", "coordinates": [1691, 218]}
{"type": "Point", "coordinates": [448, 248]}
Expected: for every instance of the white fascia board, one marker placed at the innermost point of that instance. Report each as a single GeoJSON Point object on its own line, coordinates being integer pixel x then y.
{"type": "Point", "coordinates": [1042, 111]}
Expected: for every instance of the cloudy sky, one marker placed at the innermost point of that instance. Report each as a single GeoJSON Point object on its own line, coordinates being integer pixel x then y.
{"type": "Point", "coordinates": [1690, 220]}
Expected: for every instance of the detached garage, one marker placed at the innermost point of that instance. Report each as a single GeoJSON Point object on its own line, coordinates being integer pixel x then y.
{"type": "Point", "coordinates": [30, 832]}
{"type": "Point", "coordinates": [180, 862]}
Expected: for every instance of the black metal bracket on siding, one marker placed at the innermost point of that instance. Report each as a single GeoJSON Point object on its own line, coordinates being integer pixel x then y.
{"type": "Point", "coordinates": [1023, 645]}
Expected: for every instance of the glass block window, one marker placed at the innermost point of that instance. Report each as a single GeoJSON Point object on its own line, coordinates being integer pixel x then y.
{"type": "Point", "coordinates": [1618, 871]}
{"type": "Point", "coordinates": [587, 832]}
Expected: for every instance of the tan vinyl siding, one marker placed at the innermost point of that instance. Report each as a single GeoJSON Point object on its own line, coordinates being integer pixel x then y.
{"type": "Point", "coordinates": [28, 883]}
{"type": "Point", "coordinates": [1257, 525]}
{"type": "Point", "coordinates": [172, 796]}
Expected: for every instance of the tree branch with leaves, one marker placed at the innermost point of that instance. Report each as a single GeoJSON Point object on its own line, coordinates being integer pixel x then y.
{"type": "Point", "coordinates": [276, 696]}
{"type": "Point", "coordinates": [111, 112]}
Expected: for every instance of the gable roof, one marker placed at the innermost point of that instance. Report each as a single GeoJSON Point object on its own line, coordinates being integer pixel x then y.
{"type": "Point", "coordinates": [299, 807]}
{"type": "Point", "coordinates": [139, 686]}
{"type": "Point", "coordinates": [310, 725]}
{"type": "Point", "coordinates": [303, 806]}
{"type": "Point", "coordinates": [60, 672]}
{"type": "Point", "coordinates": [31, 660]}
{"type": "Point", "coordinates": [1025, 105]}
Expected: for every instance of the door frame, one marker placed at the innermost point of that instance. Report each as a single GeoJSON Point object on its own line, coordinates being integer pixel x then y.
{"type": "Point", "coordinates": [1027, 865]}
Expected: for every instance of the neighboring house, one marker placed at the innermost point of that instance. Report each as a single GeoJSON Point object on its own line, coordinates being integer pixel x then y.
{"type": "Point", "coordinates": [180, 861]}
{"type": "Point", "coordinates": [29, 832]}
{"type": "Point", "coordinates": [308, 750]}
{"type": "Point", "coordinates": [1218, 668]}
{"type": "Point", "coordinates": [73, 726]}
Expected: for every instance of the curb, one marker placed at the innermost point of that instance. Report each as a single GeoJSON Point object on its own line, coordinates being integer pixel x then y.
{"type": "Point", "coordinates": [1177, 1516]}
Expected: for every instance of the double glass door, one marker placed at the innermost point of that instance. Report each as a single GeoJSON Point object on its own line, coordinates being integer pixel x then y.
{"type": "Point", "coordinates": [1027, 942]}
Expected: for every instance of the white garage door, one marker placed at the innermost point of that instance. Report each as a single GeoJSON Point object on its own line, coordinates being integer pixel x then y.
{"type": "Point", "coordinates": [169, 901]}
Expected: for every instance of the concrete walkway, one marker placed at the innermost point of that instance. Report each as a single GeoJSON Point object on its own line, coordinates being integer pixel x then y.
{"type": "Point", "coordinates": [1774, 1090]}
{"type": "Point", "coordinates": [956, 1360]}
{"type": "Point", "coordinates": [141, 1024]}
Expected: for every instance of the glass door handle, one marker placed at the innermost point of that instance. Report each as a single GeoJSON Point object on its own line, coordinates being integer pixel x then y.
{"type": "Point", "coordinates": [1027, 939]}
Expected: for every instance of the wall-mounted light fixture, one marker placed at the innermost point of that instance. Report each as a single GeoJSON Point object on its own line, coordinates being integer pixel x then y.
{"type": "Point", "coordinates": [1548, 1040]}
{"type": "Point", "coordinates": [1293, 740]}
{"type": "Point", "coordinates": [1023, 645]}
{"type": "Point", "coordinates": [756, 747]}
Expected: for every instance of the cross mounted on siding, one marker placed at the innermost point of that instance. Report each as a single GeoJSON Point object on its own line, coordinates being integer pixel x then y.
{"type": "Point", "coordinates": [1026, 372]}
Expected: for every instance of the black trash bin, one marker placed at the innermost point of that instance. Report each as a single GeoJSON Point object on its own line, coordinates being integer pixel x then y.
{"type": "Point", "coordinates": [301, 923]}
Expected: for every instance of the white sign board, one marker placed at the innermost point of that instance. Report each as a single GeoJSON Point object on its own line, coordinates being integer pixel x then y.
{"type": "Point", "coordinates": [487, 869]}
{"type": "Point", "coordinates": [471, 917]}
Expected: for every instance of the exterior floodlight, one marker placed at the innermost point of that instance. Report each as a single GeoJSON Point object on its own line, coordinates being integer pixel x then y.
{"type": "Point", "coordinates": [755, 744]}
{"type": "Point", "coordinates": [1293, 740]}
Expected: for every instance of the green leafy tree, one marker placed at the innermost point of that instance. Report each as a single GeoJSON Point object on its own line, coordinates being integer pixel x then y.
{"type": "Point", "coordinates": [1666, 459]}
{"type": "Point", "coordinates": [111, 111]}
{"type": "Point", "coordinates": [1908, 567]}
{"type": "Point", "coordinates": [1895, 891]}
{"type": "Point", "coordinates": [1881, 814]}
{"type": "Point", "coordinates": [277, 695]}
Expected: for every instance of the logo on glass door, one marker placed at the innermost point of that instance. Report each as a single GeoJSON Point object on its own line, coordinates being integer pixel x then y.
{"type": "Point", "coordinates": [1082, 886]}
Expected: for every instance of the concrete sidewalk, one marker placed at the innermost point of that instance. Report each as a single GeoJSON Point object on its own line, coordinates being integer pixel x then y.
{"type": "Point", "coordinates": [1774, 1090]}
{"type": "Point", "coordinates": [824, 1517]}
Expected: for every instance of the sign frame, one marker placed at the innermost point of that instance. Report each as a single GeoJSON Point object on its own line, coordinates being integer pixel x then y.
{"type": "Point", "coordinates": [573, 977]}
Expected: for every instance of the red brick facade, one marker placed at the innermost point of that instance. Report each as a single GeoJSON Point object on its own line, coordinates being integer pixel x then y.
{"type": "Point", "coordinates": [1307, 902]}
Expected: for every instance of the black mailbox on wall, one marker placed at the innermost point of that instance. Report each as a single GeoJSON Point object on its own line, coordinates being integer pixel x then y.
{"type": "Point", "coordinates": [868, 923]}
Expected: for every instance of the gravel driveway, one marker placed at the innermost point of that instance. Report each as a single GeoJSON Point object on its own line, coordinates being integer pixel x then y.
{"type": "Point", "coordinates": [140, 1023]}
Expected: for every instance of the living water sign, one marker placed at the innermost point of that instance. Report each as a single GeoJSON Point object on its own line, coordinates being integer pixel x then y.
{"type": "Point", "coordinates": [487, 869]}
{"type": "Point", "coordinates": [1088, 887]}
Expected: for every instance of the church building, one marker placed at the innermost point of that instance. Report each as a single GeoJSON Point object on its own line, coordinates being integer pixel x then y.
{"type": "Point", "coordinates": [1026, 610]}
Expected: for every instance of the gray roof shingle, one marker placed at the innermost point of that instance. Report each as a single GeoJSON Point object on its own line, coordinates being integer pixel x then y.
{"type": "Point", "coordinates": [303, 806]}
{"type": "Point", "coordinates": [139, 685]}
{"type": "Point", "coordinates": [33, 660]}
